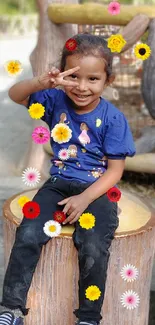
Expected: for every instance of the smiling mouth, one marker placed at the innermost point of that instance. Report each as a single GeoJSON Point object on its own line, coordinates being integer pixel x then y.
{"type": "Point", "coordinates": [81, 96]}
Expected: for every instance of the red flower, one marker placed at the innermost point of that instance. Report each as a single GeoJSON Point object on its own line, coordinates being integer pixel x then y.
{"type": "Point", "coordinates": [31, 210]}
{"type": "Point", "coordinates": [71, 44]}
{"type": "Point", "coordinates": [114, 194]}
{"type": "Point", "coordinates": [59, 216]}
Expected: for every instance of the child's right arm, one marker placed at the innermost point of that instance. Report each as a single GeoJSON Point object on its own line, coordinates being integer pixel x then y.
{"type": "Point", "coordinates": [21, 91]}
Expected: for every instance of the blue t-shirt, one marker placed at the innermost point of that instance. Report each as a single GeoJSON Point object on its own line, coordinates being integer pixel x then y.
{"type": "Point", "coordinates": [81, 142]}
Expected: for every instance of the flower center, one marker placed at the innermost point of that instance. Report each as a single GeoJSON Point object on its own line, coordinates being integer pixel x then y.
{"type": "Point", "coordinates": [41, 135]}
{"type": "Point", "coordinates": [52, 228]}
{"type": "Point", "coordinates": [142, 51]}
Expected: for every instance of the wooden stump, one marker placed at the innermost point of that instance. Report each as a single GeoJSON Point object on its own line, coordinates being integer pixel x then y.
{"type": "Point", "coordinates": [53, 294]}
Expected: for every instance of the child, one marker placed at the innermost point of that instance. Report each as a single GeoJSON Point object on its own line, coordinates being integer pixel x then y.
{"type": "Point", "coordinates": [90, 139]}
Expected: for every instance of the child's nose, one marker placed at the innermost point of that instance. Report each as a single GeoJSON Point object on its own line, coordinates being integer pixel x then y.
{"type": "Point", "coordinates": [82, 85]}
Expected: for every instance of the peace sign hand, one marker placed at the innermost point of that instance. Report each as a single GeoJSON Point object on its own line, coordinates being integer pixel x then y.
{"type": "Point", "coordinates": [55, 78]}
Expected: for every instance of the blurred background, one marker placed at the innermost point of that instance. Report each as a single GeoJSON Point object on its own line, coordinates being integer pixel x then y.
{"type": "Point", "coordinates": [18, 37]}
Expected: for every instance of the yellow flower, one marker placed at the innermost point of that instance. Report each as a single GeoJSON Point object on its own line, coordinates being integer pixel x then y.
{"type": "Point", "coordinates": [36, 111]}
{"type": "Point", "coordinates": [61, 133]}
{"type": "Point", "coordinates": [142, 51]}
{"type": "Point", "coordinates": [87, 220]}
{"type": "Point", "coordinates": [93, 293]}
{"type": "Point", "coordinates": [116, 43]}
{"type": "Point", "coordinates": [13, 67]}
{"type": "Point", "coordinates": [22, 200]}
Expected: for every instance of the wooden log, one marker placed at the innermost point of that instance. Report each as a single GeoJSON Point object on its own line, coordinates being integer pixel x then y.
{"type": "Point", "coordinates": [53, 294]}
{"type": "Point", "coordinates": [144, 163]}
{"type": "Point", "coordinates": [133, 31]}
{"type": "Point", "coordinates": [95, 14]}
{"type": "Point", "coordinates": [51, 39]}
{"type": "Point", "coordinates": [148, 77]}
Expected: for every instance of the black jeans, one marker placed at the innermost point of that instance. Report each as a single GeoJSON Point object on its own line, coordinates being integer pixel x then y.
{"type": "Point", "coordinates": [92, 246]}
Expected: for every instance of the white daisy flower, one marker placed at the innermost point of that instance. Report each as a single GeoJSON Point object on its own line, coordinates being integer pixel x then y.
{"type": "Point", "coordinates": [52, 228]}
{"type": "Point", "coordinates": [31, 176]}
{"type": "Point", "coordinates": [63, 154]}
{"type": "Point", "coordinates": [129, 273]}
{"type": "Point", "coordinates": [130, 299]}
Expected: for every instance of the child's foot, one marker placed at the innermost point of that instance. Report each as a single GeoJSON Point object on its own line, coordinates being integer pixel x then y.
{"type": "Point", "coordinates": [91, 322]}
{"type": "Point", "coordinates": [8, 318]}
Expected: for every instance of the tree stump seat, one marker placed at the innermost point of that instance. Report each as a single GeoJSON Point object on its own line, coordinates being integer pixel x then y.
{"type": "Point", "coordinates": [53, 294]}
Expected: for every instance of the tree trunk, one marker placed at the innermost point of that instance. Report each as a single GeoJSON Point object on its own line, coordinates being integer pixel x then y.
{"type": "Point", "coordinates": [53, 294]}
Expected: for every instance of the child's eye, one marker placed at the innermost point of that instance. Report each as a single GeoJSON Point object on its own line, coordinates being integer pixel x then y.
{"type": "Point", "coordinates": [73, 75]}
{"type": "Point", "coordinates": [94, 78]}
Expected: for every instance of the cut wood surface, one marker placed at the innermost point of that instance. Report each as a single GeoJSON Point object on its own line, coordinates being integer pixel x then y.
{"type": "Point", "coordinates": [53, 294]}
{"type": "Point", "coordinates": [95, 14]}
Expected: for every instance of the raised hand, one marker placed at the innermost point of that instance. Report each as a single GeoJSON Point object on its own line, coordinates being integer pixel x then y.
{"type": "Point", "coordinates": [54, 78]}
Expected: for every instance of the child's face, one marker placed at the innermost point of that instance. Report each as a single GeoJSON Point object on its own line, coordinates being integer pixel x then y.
{"type": "Point", "coordinates": [91, 78]}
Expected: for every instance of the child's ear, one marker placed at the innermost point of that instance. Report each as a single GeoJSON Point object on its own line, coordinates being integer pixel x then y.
{"type": "Point", "coordinates": [110, 80]}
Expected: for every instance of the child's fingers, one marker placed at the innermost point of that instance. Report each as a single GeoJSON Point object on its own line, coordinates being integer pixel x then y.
{"type": "Point", "coordinates": [69, 83]}
{"type": "Point", "coordinates": [70, 71]}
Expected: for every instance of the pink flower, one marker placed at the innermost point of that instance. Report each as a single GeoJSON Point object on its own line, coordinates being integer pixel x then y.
{"type": "Point", "coordinates": [63, 154]}
{"type": "Point", "coordinates": [130, 299]}
{"type": "Point", "coordinates": [114, 8]}
{"type": "Point", "coordinates": [31, 176]}
{"type": "Point", "coordinates": [40, 135]}
{"type": "Point", "coordinates": [129, 273]}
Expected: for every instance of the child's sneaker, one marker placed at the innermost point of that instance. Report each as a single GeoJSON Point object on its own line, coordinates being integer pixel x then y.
{"type": "Point", "coordinates": [8, 318]}
{"type": "Point", "coordinates": [91, 322]}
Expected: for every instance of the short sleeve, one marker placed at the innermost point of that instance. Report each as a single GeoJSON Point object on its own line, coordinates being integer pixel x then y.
{"type": "Point", "coordinates": [47, 98]}
{"type": "Point", "coordinates": [118, 141]}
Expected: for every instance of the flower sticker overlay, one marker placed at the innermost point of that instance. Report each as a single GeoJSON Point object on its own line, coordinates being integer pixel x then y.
{"type": "Point", "coordinates": [13, 67]}
{"type": "Point", "coordinates": [129, 273]}
{"type": "Point", "coordinates": [31, 210]}
{"type": "Point", "coordinates": [116, 43]}
{"type": "Point", "coordinates": [61, 133]}
{"type": "Point", "coordinates": [59, 216]}
{"type": "Point", "coordinates": [93, 293]}
{"type": "Point", "coordinates": [52, 228]}
{"type": "Point", "coordinates": [36, 111]}
{"type": "Point", "coordinates": [142, 51]}
{"type": "Point", "coordinates": [22, 200]}
{"type": "Point", "coordinates": [40, 135]}
{"type": "Point", "coordinates": [31, 176]}
{"type": "Point", "coordinates": [87, 220]}
{"type": "Point", "coordinates": [114, 194]}
{"type": "Point", "coordinates": [114, 8]}
{"type": "Point", "coordinates": [71, 44]}
{"type": "Point", "coordinates": [130, 299]}
{"type": "Point", "coordinates": [64, 154]}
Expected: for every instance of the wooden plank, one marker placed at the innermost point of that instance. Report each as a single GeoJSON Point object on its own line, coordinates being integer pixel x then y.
{"type": "Point", "coordinates": [95, 14]}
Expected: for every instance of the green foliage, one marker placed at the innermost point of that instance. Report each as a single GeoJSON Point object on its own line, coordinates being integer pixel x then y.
{"type": "Point", "coordinates": [15, 7]}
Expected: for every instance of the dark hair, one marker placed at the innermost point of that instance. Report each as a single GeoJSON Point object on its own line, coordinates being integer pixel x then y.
{"type": "Point", "coordinates": [89, 44]}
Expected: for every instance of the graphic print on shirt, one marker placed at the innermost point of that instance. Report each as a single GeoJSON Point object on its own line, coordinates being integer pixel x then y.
{"type": "Point", "coordinates": [72, 150]}
{"type": "Point", "coordinates": [84, 137]}
{"type": "Point", "coordinates": [63, 118]}
{"type": "Point", "coordinates": [98, 122]}
{"type": "Point", "coordinates": [96, 172]}
{"type": "Point", "coordinates": [60, 165]}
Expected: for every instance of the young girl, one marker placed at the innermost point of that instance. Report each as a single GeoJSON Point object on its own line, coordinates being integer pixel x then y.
{"type": "Point", "coordinates": [90, 139]}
